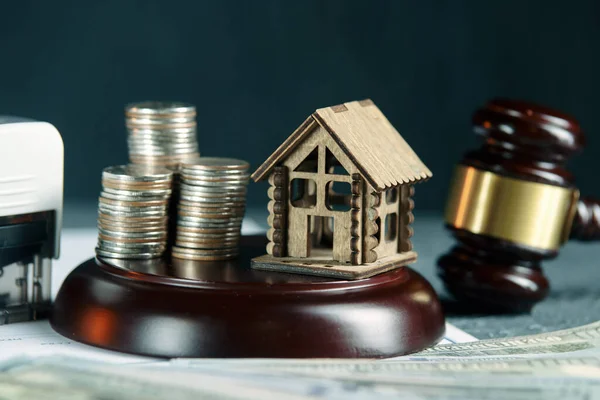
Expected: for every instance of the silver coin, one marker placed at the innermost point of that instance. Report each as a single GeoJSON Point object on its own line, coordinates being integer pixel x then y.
{"type": "Point", "coordinates": [158, 108]}
{"type": "Point", "coordinates": [181, 157]}
{"type": "Point", "coordinates": [123, 247]}
{"type": "Point", "coordinates": [115, 235]}
{"type": "Point", "coordinates": [132, 221]}
{"type": "Point", "coordinates": [111, 217]}
{"type": "Point", "coordinates": [210, 207]}
{"type": "Point", "coordinates": [216, 217]}
{"type": "Point", "coordinates": [111, 207]}
{"type": "Point", "coordinates": [238, 186]}
{"type": "Point", "coordinates": [105, 217]}
{"type": "Point", "coordinates": [208, 236]}
{"type": "Point", "coordinates": [158, 143]}
{"type": "Point", "coordinates": [125, 205]}
{"type": "Point", "coordinates": [172, 142]}
{"type": "Point", "coordinates": [140, 253]}
{"type": "Point", "coordinates": [101, 253]}
{"type": "Point", "coordinates": [166, 137]}
{"type": "Point", "coordinates": [185, 220]}
{"type": "Point", "coordinates": [206, 246]}
{"type": "Point", "coordinates": [173, 131]}
{"type": "Point", "coordinates": [212, 199]}
{"type": "Point", "coordinates": [217, 163]}
{"type": "Point", "coordinates": [136, 194]}
{"type": "Point", "coordinates": [212, 204]}
{"type": "Point", "coordinates": [125, 229]}
{"type": "Point", "coordinates": [218, 230]}
{"type": "Point", "coordinates": [209, 218]}
{"type": "Point", "coordinates": [134, 242]}
{"type": "Point", "coordinates": [167, 161]}
{"type": "Point", "coordinates": [160, 124]}
{"type": "Point", "coordinates": [206, 225]}
{"type": "Point", "coordinates": [200, 174]}
{"type": "Point", "coordinates": [211, 213]}
{"type": "Point", "coordinates": [138, 214]}
{"type": "Point", "coordinates": [145, 187]}
{"type": "Point", "coordinates": [132, 235]}
{"type": "Point", "coordinates": [241, 179]}
{"type": "Point", "coordinates": [136, 173]}
{"type": "Point", "coordinates": [200, 255]}
{"type": "Point", "coordinates": [164, 149]}
{"type": "Point", "coordinates": [132, 208]}
{"type": "Point", "coordinates": [118, 197]}
{"type": "Point", "coordinates": [167, 118]}
{"type": "Point", "coordinates": [153, 131]}
{"type": "Point", "coordinates": [141, 203]}
{"type": "Point", "coordinates": [163, 123]}
{"type": "Point", "coordinates": [161, 158]}
{"type": "Point", "coordinates": [204, 192]}
{"type": "Point", "coordinates": [213, 184]}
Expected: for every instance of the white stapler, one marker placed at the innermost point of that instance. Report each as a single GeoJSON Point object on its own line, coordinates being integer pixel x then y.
{"type": "Point", "coordinates": [31, 202]}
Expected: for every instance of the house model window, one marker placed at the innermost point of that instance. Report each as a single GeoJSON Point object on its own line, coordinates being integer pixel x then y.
{"type": "Point", "coordinates": [340, 195]}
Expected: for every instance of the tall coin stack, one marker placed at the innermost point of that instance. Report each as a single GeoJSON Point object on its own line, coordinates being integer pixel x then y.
{"type": "Point", "coordinates": [133, 212]}
{"type": "Point", "coordinates": [211, 208]}
{"type": "Point", "coordinates": [161, 133]}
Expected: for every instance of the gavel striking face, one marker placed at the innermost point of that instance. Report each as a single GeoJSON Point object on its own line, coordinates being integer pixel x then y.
{"type": "Point", "coordinates": [513, 204]}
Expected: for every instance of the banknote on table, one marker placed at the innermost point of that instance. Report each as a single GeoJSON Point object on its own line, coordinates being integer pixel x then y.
{"type": "Point", "coordinates": [65, 378]}
{"type": "Point", "coordinates": [565, 364]}
{"type": "Point", "coordinates": [80, 381]}
{"type": "Point", "coordinates": [563, 341]}
{"type": "Point", "coordinates": [530, 367]}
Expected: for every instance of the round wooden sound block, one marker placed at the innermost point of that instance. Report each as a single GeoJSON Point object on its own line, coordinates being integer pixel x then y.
{"type": "Point", "coordinates": [184, 308]}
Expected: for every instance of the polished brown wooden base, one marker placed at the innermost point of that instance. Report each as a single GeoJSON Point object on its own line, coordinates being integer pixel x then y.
{"type": "Point", "coordinates": [226, 309]}
{"type": "Point", "coordinates": [333, 269]}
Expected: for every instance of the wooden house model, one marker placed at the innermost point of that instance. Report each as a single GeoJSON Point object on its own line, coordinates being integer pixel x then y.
{"type": "Point", "coordinates": [340, 195]}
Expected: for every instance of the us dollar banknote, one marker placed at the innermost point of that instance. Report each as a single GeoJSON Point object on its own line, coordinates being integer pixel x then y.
{"type": "Point", "coordinates": [557, 365]}
{"type": "Point", "coordinates": [563, 341]}
{"type": "Point", "coordinates": [64, 379]}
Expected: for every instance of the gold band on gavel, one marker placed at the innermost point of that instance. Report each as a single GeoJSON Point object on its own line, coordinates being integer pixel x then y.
{"type": "Point", "coordinates": [529, 213]}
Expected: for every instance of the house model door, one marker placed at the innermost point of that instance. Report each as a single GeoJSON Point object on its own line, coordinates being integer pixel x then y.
{"type": "Point", "coordinates": [319, 217]}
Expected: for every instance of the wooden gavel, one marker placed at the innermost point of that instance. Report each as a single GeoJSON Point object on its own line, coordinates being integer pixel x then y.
{"type": "Point", "coordinates": [513, 204]}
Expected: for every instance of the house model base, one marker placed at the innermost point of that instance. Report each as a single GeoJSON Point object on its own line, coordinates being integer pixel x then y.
{"type": "Point", "coordinates": [331, 269]}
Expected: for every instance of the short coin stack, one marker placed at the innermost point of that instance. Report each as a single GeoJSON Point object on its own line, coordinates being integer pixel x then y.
{"type": "Point", "coordinates": [133, 212]}
{"type": "Point", "coordinates": [211, 208]}
{"type": "Point", "coordinates": [161, 133]}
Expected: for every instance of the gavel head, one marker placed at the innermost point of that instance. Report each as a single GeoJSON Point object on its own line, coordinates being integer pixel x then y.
{"type": "Point", "coordinates": [511, 205]}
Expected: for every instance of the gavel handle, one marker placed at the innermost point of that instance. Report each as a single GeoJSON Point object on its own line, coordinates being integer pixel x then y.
{"type": "Point", "coordinates": [586, 224]}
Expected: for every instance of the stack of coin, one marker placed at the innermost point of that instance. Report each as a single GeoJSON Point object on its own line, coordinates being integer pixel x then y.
{"type": "Point", "coordinates": [161, 133]}
{"type": "Point", "coordinates": [211, 208]}
{"type": "Point", "coordinates": [133, 212]}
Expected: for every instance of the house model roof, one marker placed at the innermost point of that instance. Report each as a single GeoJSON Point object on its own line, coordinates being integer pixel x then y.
{"type": "Point", "coordinates": [366, 136]}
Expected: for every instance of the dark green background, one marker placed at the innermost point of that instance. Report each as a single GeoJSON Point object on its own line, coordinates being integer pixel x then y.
{"type": "Point", "coordinates": [256, 69]}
